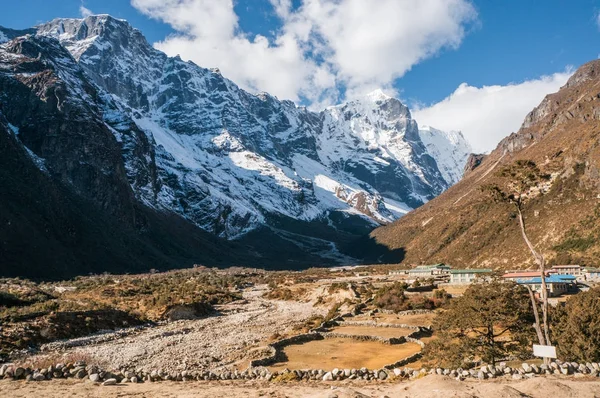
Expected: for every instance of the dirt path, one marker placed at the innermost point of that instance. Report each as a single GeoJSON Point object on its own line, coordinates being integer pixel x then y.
{"type": "Point", "coordinates": [431, 386]}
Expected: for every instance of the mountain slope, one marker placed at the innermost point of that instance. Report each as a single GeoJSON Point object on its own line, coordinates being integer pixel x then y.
{"type": "Point", "coordinates": [229, 161]}
{"type": "Point", "coordinates": [449, 149]}
{"type": "Point", "coordinates": [153, 162]}
{"type": "Point", "coordinates": [462, 227]}
{"type": "Point", "coordinates": [66, 207]}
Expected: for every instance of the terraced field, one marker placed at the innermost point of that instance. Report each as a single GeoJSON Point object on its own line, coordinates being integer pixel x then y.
{"type": "Point", "coordinates": [411, 320]}
{"type": "Point", "coordinates": [372, 331]}
{"type": "Point", "coordinates": [344, 353]}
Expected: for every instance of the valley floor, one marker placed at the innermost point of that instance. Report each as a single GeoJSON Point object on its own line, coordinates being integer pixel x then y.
{"type": "Point", "coordinates": [430, 386]}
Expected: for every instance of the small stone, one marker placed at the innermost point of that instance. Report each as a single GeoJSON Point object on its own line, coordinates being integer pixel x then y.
{"type": "Point", "coordinates": [397, 372]}
{"type": "Point", "coordinates": [327, 376]}
{"type": "Point", "coordinates": [382, 375]}
{"type": "Point", "coordinates": [19, 372]}
{"type": "Point", "coordinates": [38, 377]}
{"type": "Point", "coordinates": [517, 376]}
{"type": "Point", "coordinates": [481, 375]}
{"type": "Point", "coordinates": [94, 377]}
{"type": "Point", "coordinates": [526, 367]}
{"type": "Point", "coordinates": [109, 382]}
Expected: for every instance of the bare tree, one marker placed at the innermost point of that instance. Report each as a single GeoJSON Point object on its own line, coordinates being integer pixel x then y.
{"type": "Point", "coordinates": [520, 182]}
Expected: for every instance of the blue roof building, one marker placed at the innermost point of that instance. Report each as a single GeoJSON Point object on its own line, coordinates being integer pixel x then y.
{"type": "Point", "coordinates": [555, 284]}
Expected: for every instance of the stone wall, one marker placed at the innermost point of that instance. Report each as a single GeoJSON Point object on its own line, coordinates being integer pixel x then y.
{"type": "Point", "coordinates": [276, 349]}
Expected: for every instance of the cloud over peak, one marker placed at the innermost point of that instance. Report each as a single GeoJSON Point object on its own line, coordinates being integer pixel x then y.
{"type": "Point", "coordinates": [487, 114]}
{"type": "Point", "coordinates": [324, 50]}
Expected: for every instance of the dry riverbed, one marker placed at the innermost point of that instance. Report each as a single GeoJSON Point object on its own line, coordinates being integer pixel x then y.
{"type": "Point", "coordinates": [225, 340]}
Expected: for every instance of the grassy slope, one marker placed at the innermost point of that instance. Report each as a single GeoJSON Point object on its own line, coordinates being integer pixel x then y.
{"type": "Point", "coordinates": [463, 228]}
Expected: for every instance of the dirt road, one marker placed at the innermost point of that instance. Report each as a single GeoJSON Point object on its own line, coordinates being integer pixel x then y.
{"type": "Point", "coordinates": [430, 386]}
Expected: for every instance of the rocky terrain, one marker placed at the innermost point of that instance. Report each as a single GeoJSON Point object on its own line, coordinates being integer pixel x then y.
{"type": "Point", "coordinates": [228, 351]}
{"type": "Point", "coordinates": [162, 146]}
{"type": "Point", "coordinates": [463, 227]}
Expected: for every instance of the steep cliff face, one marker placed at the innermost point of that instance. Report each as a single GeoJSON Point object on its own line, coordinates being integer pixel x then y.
{"type": "Point", "coordinates": [67, 205]}
{"type": "Point", "coordinates": [464, 228]}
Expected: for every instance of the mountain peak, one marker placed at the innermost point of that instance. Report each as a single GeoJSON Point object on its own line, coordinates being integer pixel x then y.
{"type": "Point", "coordinates": [377, 95]}
{"type": "Point", "coordinates": [79, 34]}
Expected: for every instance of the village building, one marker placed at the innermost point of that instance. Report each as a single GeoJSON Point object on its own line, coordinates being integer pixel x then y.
{"type": "Point", "coordinates": [575, 270]}
{"type": "Point", "coordinates": [467, 276]}
{"type": "Point", "coordinates": [429, 271]}
{"type": "Point", "coordinates": [398, 272]}
{"type": "Point", "coordinates": [514, 276]}
{"type": "Point", "coordinates": [591, 274]}
{"type": "Point", "coordinates": [556, 285]}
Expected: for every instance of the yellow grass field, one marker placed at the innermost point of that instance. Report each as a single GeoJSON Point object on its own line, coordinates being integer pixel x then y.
{"type": "Point", "coordinates": [344, 353]}
{"type": "Point", "coordinates": [372, 331]}
{"type": "Point", "coordinates": [412, 320]}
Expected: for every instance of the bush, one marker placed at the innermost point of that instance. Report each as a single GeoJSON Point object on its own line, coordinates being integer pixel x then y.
{"type": "Point", "coordinates": [576, 327]}
{"type": "Point", "coordinates": [490, 321]}
{"type": "Point", "coordinates": [392, 298]}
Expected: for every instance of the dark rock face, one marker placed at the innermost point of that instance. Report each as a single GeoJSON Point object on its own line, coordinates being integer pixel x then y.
{"type": "Point", "coordinates": [473, 162]}
{"type": "Point", "coordinates": [51, 103]}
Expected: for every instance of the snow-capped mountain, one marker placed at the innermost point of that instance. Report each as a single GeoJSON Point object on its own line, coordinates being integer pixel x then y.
{"type": "Point", "coordinates": [195, 144]}
{"type": "Point", "coordinates": [449, 149]}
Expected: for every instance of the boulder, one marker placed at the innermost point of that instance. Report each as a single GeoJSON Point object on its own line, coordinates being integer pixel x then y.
{"type": "Point", "coordinates": [95, 377]}
{"type": "Point", "coordinates": [110, 382]}
{"type": "Point", "coordinates": [327, 376]}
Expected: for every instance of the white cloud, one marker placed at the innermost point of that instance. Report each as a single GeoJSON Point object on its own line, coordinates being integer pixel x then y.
{"type": "Point", "coordinates": [487, 114]}
{"type": "Point", "coordinates": [85, 12]}
{"type": "Point", "coordinates": [322, 49]}
{"type": "Point", "coordinates": [598, 19]}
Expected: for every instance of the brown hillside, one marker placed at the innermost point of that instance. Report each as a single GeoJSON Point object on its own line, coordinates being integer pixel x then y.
{"type": "Point", "coordinates": [464, 228]}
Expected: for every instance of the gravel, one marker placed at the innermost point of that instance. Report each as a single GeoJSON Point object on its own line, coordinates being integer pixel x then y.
{"type": "Point", "coordinates": [204, 344]}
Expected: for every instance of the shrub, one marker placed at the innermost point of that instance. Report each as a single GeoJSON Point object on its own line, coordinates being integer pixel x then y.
{"type": "Point", "coordinates": [490, 321]}
{"type": "Point", "coordinates": [576, 327]}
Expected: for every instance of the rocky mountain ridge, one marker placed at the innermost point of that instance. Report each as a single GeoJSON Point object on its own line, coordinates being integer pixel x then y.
{"type": "Point", "coordinates": [465, 228]}
{"type": "Point", "coordinates": [131, 126]}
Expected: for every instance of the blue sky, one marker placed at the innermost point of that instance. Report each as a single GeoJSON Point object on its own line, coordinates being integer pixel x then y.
{"type": "Point", "coordinates": [492, 43]}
